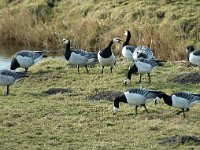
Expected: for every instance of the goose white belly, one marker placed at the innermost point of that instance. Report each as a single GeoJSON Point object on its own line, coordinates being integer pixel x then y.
{"type": "Point", "coordinates": [110, 61]}
{"type": "Point", "coordinates": [134, 98]}
{"type": "Point", "coordinates": [25, 62]}
{"type": "Point", "coordinates": [143, 67]}
{"type": "Point", "coordinates": [6, 80]}
{"type": "Point", "coordinates": [77, 59]}
{"type": "Point", "coordinates": [194, 59]}
{"type": "Point", "coordinates": [180, 102]}
{"type": "Point", "coordinates": [127, 54]}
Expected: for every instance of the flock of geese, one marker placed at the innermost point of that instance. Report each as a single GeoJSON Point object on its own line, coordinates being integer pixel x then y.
{"type": "Point", "coordinates": [142, 62]}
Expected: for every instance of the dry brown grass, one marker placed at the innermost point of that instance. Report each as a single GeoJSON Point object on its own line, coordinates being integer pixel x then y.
{"type": "Point", "coordinates": [36, 26]}
{"type": "Point", "coordinates": [23, 28]}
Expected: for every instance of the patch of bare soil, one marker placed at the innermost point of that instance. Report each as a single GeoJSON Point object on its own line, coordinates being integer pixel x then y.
{"type": "Point", "coordinates": [58, 90]}
{"type": "Point", "coordinates": [104, 95]}
{"type": "Point", "coordinates": [187, 78]}
{"type": "Point", "coordinates": [180, 139]}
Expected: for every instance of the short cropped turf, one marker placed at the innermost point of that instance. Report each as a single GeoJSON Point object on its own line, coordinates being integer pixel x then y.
{"type": "Point", "coordinates": [33, 119]}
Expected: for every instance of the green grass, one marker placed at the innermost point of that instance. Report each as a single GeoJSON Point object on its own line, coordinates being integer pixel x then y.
{"type": "Point", "coordinates": [31, 119]}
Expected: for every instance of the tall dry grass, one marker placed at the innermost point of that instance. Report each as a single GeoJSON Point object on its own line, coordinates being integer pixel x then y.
{"type": "Point", "coordinates": [23, 28]}
{"type": "Point", "coordinates": [89, 33]}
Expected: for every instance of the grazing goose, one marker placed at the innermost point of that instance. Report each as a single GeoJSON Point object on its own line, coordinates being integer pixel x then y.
{"type": "Point", "coordinates": [193, 56]}
{"type": "Point", "coordinates": [142, 66]}
{"type": "Point", "coordinates": [106, 56]}
{"type": "Point", "coordinates": [8, 77]}
{"type": "Point", "coordinates": [25, 59]}
{"type": "Point", "coordinates": [127, 50]}
{"type": "Point", "coordinates": [137, 97]}
{"type": "Point", "coordinates": [142, 51]}
{"type": "Point", "coordinates": [78, 57]}
{"type": "Point", "coordinates": [182, 100]}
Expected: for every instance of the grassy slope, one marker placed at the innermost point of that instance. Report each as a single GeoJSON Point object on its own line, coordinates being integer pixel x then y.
{"type": "Point", "coordinates": [34, 120]}
{"type": "Point", "coordinates": [90, 24]}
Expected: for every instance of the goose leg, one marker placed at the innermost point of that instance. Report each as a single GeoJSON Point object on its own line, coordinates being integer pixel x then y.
{"type": "Point", "coordinates": [102, 69]}
{"type": "Point", "coordinates": [140, 78]}
{"type": "Point", "coordinates": [145, 108]}
{"type": "Point", "coordinates": [136, 110]}
{"type": "Point", "coordinates": [86, 69]}
{"type": "Point", "coordinates": [149, 77]}
{"type": "Point", "coordinates": [111, 68]}
{"type": "Point", "coordinates": [183, 112]}
{"type": "Point", "coordinates": [7, 91]}
{"type": "Point", "coordinates": [178, 113]}
{"type": "Point", "coordinates": [26, 70]}
{"type": "Point", "coordinates": [78, 68]}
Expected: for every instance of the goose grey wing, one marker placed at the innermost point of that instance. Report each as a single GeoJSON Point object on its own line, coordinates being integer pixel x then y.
{"type": "Point", "coordinates": [143, 51]}
{"type": "Point", "coordinates": [153, 93]}
{"type": "Point", "coordinates": [12, 73]}
{"type": "Point", "coordinates": [196, 53]}
{"type": "Point", "coordinates": [85, 53]}
{"type": "Point", "coordinates": [147, 61]}
{"type": "Point", "coordinates": [32, 54]}
{"type": "Point", "coordinates": [130, 48]}
{"type": "Point", "coordinates": [188, 95]}
{"type": "Point", "coordinates": [139, 91]}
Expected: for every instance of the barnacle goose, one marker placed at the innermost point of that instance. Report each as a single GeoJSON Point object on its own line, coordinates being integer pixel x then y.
{"type": "Point", "coordinates": [25, 59]}
{"type": "Point", "coordinates": [142, 51]}
{"type": "Point", "coordinates": [182, 100]}
{"type": "Point", "coordinates": [142, 66]}
{"type": "Point", "coordinates": [127, 50]}
{"type": "Point", "coordinates": [137, 97]}
{"type": "Point", "coordinates": [78, 57]}
{"type": "Point", "coordinates": [193, 56]}
{"type": "Point", "coordinates": [8, 77]}
{"type": "Point", "coordinates": [106, 57]}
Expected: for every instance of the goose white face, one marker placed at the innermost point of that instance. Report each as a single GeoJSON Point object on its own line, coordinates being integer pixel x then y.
{"type": "Point", "coordinates": [116, 40]}
{"type": "Point", "coordinates": [115, 110]}
{"type": "Point", "coordinates": [65, 41]}
{"type": "Point", "coordinates": [126, 33]}
{"type": "Point", "coordinates": [127, 81]}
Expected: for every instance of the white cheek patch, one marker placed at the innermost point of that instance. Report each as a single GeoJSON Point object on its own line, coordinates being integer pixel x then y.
{"type": "Point", "coordinates": [115, 109]}
{"type": "Point", "coordinates": [125, 33]}
{"type": "Point", "coordinates": [127, 81]}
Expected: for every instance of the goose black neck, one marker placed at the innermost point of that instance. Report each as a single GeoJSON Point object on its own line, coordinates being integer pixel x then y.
{"type": "Point", "coordinates": [107, 52]}
{"type": "Point", "coordinates": [119, 99]}
{"type": "Point", "coordinates": [110, 45]}
{"type": "Point", "coordinates": [133, 69]}
{"type": "Point", "coordinates": [14, 64]}
{"type": "Point", "coordinates": [128, 37]}
{"type": "Point", "coordinates": [187, 56]}
{"type": "Point", "coordinates": [67, 51]}
{"type": "Point", "coordinates": [167, 99]}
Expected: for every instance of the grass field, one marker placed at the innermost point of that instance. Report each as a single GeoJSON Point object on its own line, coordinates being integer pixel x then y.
{"type": "Point", "coordinates": [33, 119]}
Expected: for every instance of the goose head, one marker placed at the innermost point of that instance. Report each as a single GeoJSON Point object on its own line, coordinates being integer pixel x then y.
{"type": "Point", "coordinates": [65, 41]}
{"type": "Point", "coordinates": [116, 40]}
{"type": "Point", "coordinates": [127, 32]}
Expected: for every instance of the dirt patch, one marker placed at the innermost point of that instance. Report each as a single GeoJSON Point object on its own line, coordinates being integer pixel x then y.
{"type": "Point", "coordinates": [187, 78]}
{"type": "Point", "coordinates": [104, 95]}
{"type": "Point", "coordinates": [180, 139]}
{"type": "Point", "coordinates": [58, 90]}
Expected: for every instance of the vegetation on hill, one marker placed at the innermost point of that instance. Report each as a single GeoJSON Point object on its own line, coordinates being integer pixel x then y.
{"type": "Point", "coordinates": [163, 25]}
